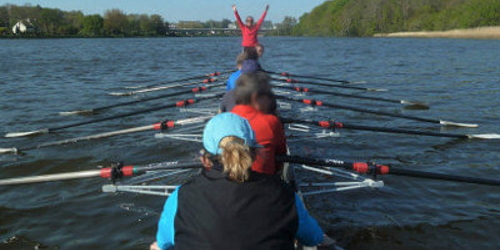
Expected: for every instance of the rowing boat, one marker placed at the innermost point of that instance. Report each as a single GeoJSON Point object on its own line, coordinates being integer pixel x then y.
{"type": "Point", "coordinates": [162, 178]}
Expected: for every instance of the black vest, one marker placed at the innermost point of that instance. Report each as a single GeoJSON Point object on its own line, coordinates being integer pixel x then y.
{"type": "Point", "coordinates": [216, 213]}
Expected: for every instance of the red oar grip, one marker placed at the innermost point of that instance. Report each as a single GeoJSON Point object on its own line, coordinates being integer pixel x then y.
{"type": "Point", "coordinates": [365, 168]}
{"type": "Point", "coordinates": [301, 89]}
{"type": "Point", "coordinates": [117, 172]}
{"type": "Point", "coordinates": [312, 102]}
{"type": "Point", "coordinates": [330, 124]}
{"type": "Point", "coordinates": [106, 172]}
{"type": "Point", "coordinates": [184, 103]}
{"type": "Point", "coordinates": [163, 125]}
{"type": "Point", "coordinates": [198, 89]}
{"type": "Point", "coordinates": [360, 167]}
{"type": "Point", "coordinates": [381, 169]}
{"type": "Point", "coordinates": [324, 124]}
{"type": "Point", "coordinates": [128, 170]}
{"type": "Point", "coordinates": [209, 80]}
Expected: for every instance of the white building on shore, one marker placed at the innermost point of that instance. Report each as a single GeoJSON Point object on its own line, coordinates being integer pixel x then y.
{"type": "Point", "coordinates": [23, 27]}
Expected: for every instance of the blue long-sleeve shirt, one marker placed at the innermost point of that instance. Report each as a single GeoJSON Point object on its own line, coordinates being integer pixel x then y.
{"type": "Point", "coordinates": [166, 229]}
{"type": "Point", "coordinates": [309, 232]}
{"type": "Point", "coordinates": [231, 82]}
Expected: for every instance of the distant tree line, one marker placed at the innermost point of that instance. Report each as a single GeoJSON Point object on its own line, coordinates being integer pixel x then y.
{"type": "Point", "coordinates": [53, 22]}
{"type": "Point", "coordinates": [48, 22]}
{"type": "Point", "coordinates": [367, 17]}
{"type": "Point", "coordinates": [285, 28]}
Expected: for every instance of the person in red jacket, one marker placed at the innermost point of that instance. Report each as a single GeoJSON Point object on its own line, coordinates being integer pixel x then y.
{"type": "Point", "coordinates": [249, 30]}
{"type": "Point", "coordinates": [254, 98]}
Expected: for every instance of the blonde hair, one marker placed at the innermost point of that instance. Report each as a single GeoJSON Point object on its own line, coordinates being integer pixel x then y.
{"type": "Point", "coordinates": [236, 158]}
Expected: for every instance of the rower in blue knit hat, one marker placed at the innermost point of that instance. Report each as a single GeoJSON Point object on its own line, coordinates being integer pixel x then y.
{"type": "Point", "coordinates": [230, 207]}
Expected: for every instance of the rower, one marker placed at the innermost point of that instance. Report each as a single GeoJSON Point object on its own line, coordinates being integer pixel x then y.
{"type": "Point", "coordinates": [255, 101]}
{"type": "Point", "coordinates": [231, 81]}
{"type": "Point", "coordinates": [230, 206]}
{"type": "Point", "coordinates": [250, 58]}
{"type": "Point", "coordinates": [228, 101]}
{"type": "Point", "coordinates": [249, 30]}
{"type": "Point", "coordinates": [260, 49]}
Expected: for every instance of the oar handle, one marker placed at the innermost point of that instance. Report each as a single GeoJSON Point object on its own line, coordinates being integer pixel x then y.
{"type": "Point", "coordinates": [182, 103]}
{"type": "Point", "coordinates": [114, 172]}
{"type": "Point", "coordinates": [372, 168]}
{"type": "Point", "coordinates": [446, 177]}
{"type": "Point", "coordinates": [314, 102]}
{"type": "Point", "coordinates": [216, 73]}
{"type": "Point", "coordinates": [287, 74]}
{"type": "Point", "coordinates": [290, 80]}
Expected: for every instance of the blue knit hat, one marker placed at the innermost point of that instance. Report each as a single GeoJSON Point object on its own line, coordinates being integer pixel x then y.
{"type": "Point", "coordinates": [224, 125]}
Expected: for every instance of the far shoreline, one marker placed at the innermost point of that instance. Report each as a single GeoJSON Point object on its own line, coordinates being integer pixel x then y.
{"type": "Point", "coordinates": [470, 33]}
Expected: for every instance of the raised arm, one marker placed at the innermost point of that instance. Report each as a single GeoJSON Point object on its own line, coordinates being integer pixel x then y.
{"type": "Point", "coordinates": [238, 18]}
{"type": "Point", "coordinates": [261, 20]}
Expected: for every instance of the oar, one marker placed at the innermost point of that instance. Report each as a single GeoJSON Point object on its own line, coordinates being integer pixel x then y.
{"type": "Point", "coordinates": [341, 125]}
{"type": "Point", "coordinates": [162, 88]}
{"type": "Point", "coordinates": [309, 90]}
{"type": "Point", "coordinates": [114, 172]}
{"type": "Point", "coordinates": [415, 118]}
{"type": "Point", "coordinates": [286, 74]}
{"type": "Point", "coordinates": [289, 80]}
{"type": "Point", "coordinates": [93, 110]}
{"type": "Point", "coordinates": [157, 126]}
{"type": "Point", "coordinates": [370, 168]}
{"type": "Point", "coordinates": [217, 73]}
{"type": "Point", "coordinates": [182, 103]}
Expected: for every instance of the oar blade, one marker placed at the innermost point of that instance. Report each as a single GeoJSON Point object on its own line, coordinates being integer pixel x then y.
{"type": "Point", "coordinates": [458, 124]}
{"type": "Point", "coordinates": [377, 90]}
{"type": "Point", "coordinates": [490, 136]}
{"type": "Point", "coordinates": [120, 93]}
{"type": "Point", "coordinates": [77, 112]}
{"type": "Point", "coordinates": [8, 150]}
{"type": "Point", "coordinates": [30, 133]}
{"type": "Point", "coordinates": [414, 105]}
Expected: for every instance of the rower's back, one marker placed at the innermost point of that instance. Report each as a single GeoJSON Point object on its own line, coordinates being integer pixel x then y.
{"type": "Point", "coordinates": [228, 206]}
{"type": "Point", "coordinates": [217, 213]}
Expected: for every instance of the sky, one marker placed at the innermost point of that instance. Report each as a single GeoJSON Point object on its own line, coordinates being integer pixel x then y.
{"type": "Point", "coordinates": [177, 10]}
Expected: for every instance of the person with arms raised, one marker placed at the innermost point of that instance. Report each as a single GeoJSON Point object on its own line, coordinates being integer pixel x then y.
{"type": "Point", "coordinates": [228, 206]}
{"type": "Point", "coordinates": [249, 30]}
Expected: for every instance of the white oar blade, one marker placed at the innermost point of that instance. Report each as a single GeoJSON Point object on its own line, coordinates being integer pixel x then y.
{"type": "Point", "coordinates": [377, 90]}
{"type": "Point", "coordinates": [21, 134]}
{"type": "Point", "coordinates": [76, 112]}
{"type": "Point", "coordinates": [458, 124]}
{"type": "Point", "coordinates": [119, 93]}
{"type": "Point", "coordinates": [485, 136]}
{"type": "Point", "coordinates": [8, 150]}
{"type": "Point", "coordinates": [418, 105]}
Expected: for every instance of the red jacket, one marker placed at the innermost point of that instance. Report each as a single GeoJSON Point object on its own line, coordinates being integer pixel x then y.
{"type": "Point", "coordinates": [269, 133]}
{"type": "Point", "coordinates": [249, 33]}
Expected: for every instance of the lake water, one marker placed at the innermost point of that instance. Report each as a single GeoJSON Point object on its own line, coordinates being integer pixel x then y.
{"type": "Point", "coordinates": [460, 79]}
